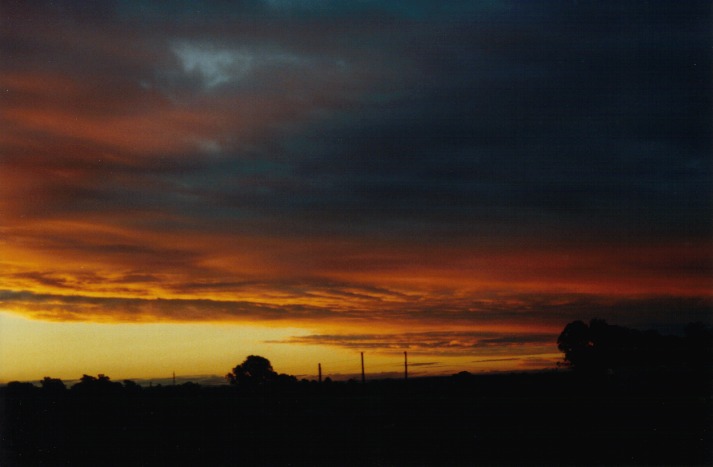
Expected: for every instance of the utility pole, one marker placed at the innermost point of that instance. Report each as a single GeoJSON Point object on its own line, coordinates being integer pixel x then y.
{"type": "Point", "coordinates": [363, 377]}
{"type": "Point", "coordinates": [319, 370]}
{"type": "Point", "coordinates": [174, 378]}
{"type": "Point", "coordinates": [405, 365]}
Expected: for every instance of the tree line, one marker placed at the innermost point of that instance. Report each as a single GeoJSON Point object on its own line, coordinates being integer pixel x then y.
{"type": "Point", "coordinates": [255, 373]}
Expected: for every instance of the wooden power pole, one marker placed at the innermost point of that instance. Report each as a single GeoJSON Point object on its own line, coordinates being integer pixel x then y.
{"type": "Point", "coordinates": [319, 371]}
{"type": "Point", "coordinates": [363, 377]}
{"type": "Point", "coordinates": [405, 365]}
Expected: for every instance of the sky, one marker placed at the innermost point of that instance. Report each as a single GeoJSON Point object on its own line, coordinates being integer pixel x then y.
{"type": "Point", "coordinates": [186, 183]}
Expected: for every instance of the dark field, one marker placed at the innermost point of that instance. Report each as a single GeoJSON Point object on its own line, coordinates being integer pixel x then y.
{"type": "Point", "coordinates": [543, 419]}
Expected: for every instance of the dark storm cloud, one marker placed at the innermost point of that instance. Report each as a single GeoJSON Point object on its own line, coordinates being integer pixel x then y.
{"type": "Point", "coordinates": [547, 118]}
{"type": "Point", "coordinates": [554, 116]}
{"type": "Point", "coordinates": [406, 116]}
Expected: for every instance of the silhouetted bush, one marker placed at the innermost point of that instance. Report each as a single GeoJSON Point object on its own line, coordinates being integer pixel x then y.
{"type": "Point", "coordinates": [53, 385]}
{"type": "Point", "coordinates": [101, 385]}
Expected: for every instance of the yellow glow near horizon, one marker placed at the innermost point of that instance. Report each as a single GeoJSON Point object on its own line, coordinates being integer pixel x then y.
{"type": "Point", "coordinates": [31, 349]}
{"type": "Point", "coordinates": [69, 349]}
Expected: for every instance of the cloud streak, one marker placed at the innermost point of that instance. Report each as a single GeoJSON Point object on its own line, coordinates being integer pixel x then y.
{"type": "Point", "coordinates": [503, 321]}
{"type": "Point", "coordinates": [444, 342]}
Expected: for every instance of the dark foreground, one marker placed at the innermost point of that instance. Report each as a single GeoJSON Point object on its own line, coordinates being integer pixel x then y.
{"type": "Point", "coordinates": [543, 419]}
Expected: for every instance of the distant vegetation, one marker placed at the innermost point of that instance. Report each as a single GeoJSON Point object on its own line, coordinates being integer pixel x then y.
{"type": "Point", "coordinates": [595, 414]}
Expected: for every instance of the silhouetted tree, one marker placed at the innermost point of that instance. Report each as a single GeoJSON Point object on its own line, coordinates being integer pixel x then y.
{"type": "Point", "coordinates": [576, 344]}
{"type": "Point", "coordinates": [255, 370]}
{"type": "Point", "coordinates": [52, 385]}
{"type": "Point", "coordinates": [600, 346]}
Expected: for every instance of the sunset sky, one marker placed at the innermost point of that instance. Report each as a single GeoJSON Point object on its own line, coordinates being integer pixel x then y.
{"type": "Point", "coordinates": [186, 183]}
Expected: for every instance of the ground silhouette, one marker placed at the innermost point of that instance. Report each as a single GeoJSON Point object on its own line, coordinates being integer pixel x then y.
{"type": "Point", "coordinates": [647, 415]}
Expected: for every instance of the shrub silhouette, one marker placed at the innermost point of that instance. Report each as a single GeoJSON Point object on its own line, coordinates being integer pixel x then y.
{"type": "Point", "coordinates": [53, 385]}
{"type": "Point", "coordinates": [99, 385]}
